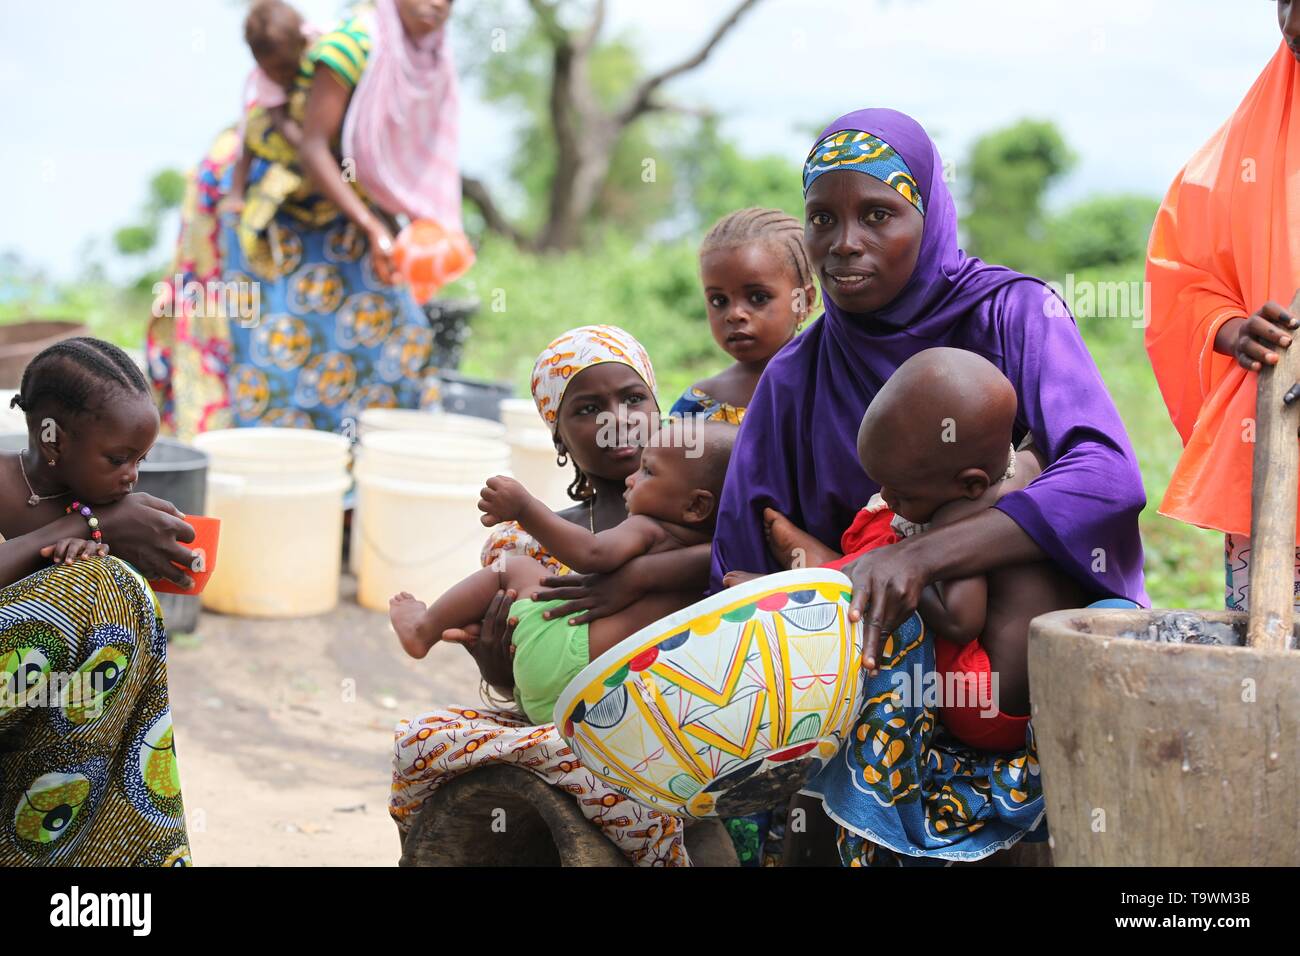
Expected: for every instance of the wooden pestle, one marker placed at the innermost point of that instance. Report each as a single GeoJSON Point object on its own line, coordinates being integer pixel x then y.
{"type": "Point", "coordinates": [1273, 501]}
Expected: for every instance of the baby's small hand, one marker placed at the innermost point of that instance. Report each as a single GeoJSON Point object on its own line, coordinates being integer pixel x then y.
{"type": "Point", "coordinates": [68, 550]}
{"type": "Point", "coordinates": [502, 499]}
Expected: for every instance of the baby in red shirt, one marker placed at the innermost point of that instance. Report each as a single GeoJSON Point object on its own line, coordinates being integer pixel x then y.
{"type": "Point", "coordinates": [937, 439]}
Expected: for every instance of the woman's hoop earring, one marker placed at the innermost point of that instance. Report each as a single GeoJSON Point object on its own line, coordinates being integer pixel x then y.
{"type": "Point", "coordinates": [561, 458]}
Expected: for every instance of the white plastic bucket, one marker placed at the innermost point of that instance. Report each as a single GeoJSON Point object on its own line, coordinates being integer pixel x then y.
{"type": "Point", "coordinates": [532, 454]}
{"type": "Point", "coordinates": [520, 415]}
{"type": "Point", "coordinates": [279, 495]}
{"type": "Point", "coordinates": [421, 530]}
{"type": "Point", "coordinates": [374, 420]}
{"type": "Point", "coordinates": [410, 419]}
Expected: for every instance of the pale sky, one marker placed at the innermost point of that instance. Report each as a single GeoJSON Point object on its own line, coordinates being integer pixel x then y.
{"type": "Point", "coordinates": [97, 95]}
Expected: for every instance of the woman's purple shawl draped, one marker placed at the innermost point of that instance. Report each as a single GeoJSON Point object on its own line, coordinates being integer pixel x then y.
{"type": "Point", "coordinates": [796, 451]}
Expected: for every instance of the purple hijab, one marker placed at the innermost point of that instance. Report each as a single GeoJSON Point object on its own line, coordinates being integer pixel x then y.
{"type": "Point", "coordinates": [796, 451]}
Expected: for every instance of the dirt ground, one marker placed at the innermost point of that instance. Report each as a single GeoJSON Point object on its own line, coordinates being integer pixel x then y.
{"type": "Point", "coordinates": [284, 733]}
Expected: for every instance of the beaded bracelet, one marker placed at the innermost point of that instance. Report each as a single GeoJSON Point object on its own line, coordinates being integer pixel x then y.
{"type": "Point", "coordinates": [85, 512]}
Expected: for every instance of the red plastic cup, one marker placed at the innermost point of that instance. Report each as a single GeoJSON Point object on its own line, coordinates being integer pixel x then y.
{"type": "Point", "coordinates": [207, 531]}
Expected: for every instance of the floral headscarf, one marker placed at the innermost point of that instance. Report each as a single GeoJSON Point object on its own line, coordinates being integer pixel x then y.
{"type": "Point", "coordinates": [579, 349]}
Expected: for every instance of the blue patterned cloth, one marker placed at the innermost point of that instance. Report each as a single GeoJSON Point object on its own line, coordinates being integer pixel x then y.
{"type": "Point", "coordinates": [901, 783]}
{"type": "Point", "coordinates": [863, 153]}
{"type": "Point", "coordinates": [332, 340]}
{"type": "Point", "coordinates": [697, 403]}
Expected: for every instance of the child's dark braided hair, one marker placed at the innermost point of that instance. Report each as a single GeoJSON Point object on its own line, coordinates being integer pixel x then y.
{"type": "Point", "coordinates": [762, 225]}
{"type": "Point", "coordinates": [70, 375]}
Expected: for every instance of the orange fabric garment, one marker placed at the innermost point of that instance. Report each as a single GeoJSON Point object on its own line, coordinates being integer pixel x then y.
{"type": "Point", "coordinates": [1226, 240]}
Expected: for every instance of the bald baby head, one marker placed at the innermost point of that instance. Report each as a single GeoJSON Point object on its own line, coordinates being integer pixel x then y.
{"type": "Point", "coordinates": [939, 430]}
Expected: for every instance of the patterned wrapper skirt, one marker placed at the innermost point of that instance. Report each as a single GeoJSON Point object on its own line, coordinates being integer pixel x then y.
{"type": "Point", "coordinates": [88, 773]}
{"type": "Point", "coordinates": [903, 792]}
{"type": "Point", "coordinates": [434, 747]}
{"type": "Point", "coordinates": [325, 339]}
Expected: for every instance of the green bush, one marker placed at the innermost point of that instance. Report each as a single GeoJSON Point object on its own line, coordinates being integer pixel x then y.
{"type": "Point", "coordinates": [653, 291]}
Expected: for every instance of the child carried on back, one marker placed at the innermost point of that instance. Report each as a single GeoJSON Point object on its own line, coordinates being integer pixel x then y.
{"type": "Point", "coordinates": [672, 504]}
{"type": "Point", "coordinates": [937, 438]}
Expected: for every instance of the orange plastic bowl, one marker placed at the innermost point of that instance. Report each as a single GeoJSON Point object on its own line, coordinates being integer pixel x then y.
{"type": "Point", "coordinates": [207, 532]}
{"type": "Point", "coordinates": [427, 256]}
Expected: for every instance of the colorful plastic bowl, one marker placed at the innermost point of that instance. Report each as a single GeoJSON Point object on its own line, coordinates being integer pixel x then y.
{"type": "Point", "coordinates": [726, 707]}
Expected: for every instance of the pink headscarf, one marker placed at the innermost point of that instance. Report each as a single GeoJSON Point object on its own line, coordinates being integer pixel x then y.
{"type": "Point", "coordinates": [401, 127]}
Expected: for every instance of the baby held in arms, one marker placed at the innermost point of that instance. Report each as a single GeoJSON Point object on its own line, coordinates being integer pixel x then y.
{"type": "Point", "coordinates": [937, 438]}
{"type": "Point", "coordinates": [672, 504]}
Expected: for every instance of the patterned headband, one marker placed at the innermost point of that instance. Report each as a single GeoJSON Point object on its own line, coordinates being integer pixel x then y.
{"type": "Point", "coordinates": [865, 153]}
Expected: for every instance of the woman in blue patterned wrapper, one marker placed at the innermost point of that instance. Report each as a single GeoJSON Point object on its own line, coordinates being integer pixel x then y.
{"type": "Point", "coordinates": [370, 133]}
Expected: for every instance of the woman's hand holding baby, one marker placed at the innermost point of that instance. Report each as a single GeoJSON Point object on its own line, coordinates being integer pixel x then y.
{"type": "Point", "coordinates": [503, 499]}
{"type": "Point", "coordinates": [491, 643]}
{"type": "Point", "coordinates": [594, 595]}
{"type": "Point", "coordinates": [887, 586]}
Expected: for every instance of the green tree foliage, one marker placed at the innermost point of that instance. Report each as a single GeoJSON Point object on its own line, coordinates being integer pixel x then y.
{"type": "Point", "coordinates": [1007, 178]}
{"type": "Point", "coordinates": [721, 179]}
{"type": "Point", "coordinates": [166, 189]}
{"type": "Point", "coordinates": [1103, 231]}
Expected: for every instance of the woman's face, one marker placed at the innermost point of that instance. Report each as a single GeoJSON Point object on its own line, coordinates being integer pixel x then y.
{"type": "Point", "coordinates": [1288, 18]}
{"type": "Point", "coordinates": [863, 239]}
{"type": "Point", "coordinates": [607, 410]}
{"type": "Point", "coordinates": [754, 299]}
{"type": "Point", "coordinates": [422, 17]}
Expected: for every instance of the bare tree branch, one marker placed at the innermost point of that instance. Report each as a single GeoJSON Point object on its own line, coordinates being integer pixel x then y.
{"type": "Point", "coordinates": [660, 105]}
{"type": "Point", "coordinates": [550, 21]}
{"type": "Point", "coordinates": [641, 96]}
{"type": "Point", "coordinates": [476, 191]}
{"type": "Point", "coordinates": [588, 38]}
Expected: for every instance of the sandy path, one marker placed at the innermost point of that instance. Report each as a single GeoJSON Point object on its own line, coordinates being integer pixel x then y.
{"type": "Point", "coordinates": [284, 733]}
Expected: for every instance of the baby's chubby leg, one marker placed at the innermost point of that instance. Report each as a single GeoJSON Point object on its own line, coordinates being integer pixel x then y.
{"type": "Point", "coordinates": [419, 627]}
{"type": "Point", "coordinates": [791, 545]}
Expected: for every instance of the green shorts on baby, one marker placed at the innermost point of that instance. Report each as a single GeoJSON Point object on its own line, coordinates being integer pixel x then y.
{"type": "Point", "coordinates": [548, 654]}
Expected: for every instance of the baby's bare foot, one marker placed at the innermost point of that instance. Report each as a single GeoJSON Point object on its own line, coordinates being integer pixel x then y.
{"type": "Point", "coordinates": [732, 578]}
{"type": "Point", "coordinates": [791, 545]}
{"type": "Point", "coordinates": [408, 619]}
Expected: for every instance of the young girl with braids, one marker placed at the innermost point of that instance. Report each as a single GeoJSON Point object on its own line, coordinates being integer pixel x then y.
{"type": "Point", "coordinates": [91, 422]}
{"type": "Point", "coordinates": [88, 772]}
{"type": "Point", "coordinates": [759, 289]}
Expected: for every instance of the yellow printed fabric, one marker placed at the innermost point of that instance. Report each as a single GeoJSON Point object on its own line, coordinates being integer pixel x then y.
{"type": "Point", "coordinates": [344, 51]}
{"type": "Point", "coordinates": [88, 772]}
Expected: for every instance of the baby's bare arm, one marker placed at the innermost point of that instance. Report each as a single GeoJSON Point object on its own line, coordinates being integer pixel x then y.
{"type": "Point", "coordinates": [601, 553]}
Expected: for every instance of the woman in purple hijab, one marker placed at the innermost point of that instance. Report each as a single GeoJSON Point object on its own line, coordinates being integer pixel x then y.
{"type": "Point", "coordinates": [796, 450]}
{"type": "Point", "coordinates": [881, 232]}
